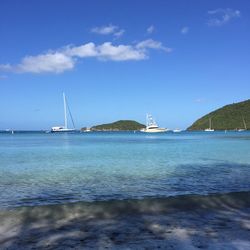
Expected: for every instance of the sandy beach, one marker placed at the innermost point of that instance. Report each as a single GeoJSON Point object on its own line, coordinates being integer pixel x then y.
{"type": "Point", "coordinates": [183, 222]}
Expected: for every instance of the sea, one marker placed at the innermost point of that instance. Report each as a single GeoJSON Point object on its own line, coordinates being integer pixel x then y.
{"type": "Point", "coordinates": [38, 168]}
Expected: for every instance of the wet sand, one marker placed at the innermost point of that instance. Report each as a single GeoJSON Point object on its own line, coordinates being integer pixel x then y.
{"type": "Point", "coordinates": [183, 222]}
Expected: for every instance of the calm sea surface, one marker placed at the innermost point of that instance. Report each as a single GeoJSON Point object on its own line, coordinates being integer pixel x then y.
{"type": "Point", "coordinates": [40, 168]}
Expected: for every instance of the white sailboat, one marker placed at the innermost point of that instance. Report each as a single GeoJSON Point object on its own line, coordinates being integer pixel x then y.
{"type": "Point", "coordinates": [65, 127]}
{"type": "Point", "coordinates": [151, 126]}
{"type": "Point", "coordinates": [210, 126]}
{"type": "Point", "coordinates": [245, 125]}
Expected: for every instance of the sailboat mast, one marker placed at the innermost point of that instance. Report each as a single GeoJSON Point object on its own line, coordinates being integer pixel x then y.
{"type": "Point", "coordinates": [245, 126]}
{"type": "Point", "coordinates": [210, 123]}
{"type": "Point", "coordinates": [65, 111]}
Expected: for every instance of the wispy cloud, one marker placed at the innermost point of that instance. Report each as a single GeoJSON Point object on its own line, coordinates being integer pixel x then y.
{"type": "Point", "coordinates": [3, 77]}
{"type": "Point", "coordinates": [150, 29]}
{"type": "Point", "coordinates": [108, 30]}
{"type": "Point", "coordinates": [184, 30]}
{"type": "Point", "coordinates": [152, 44]}
{"type": "Point", "coordinates": [66, 58]}
{"type": "Point", "coordinates": [5, 67]}
{"type": "Point", "coordinates": [104, 30]}
{"type": "Point", "coordinates": [220, 17]}
{"type": "Point", "coordinates": [119, 33]}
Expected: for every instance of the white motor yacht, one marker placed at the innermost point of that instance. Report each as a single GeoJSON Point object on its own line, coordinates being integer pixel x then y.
{"type": "Point", "coordinates": [151, 126]}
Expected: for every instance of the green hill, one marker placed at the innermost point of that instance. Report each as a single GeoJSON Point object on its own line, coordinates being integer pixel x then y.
{"type": "Point", "coordinates": [229, 117]}
{"type": "Point", "coordinates": [122, 125]}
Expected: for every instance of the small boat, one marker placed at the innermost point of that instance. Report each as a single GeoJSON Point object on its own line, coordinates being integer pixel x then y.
{"type": "Point", "coordinates": [151, 126]}
{"type": "Point", "coordinates": [210, 126]}
{"type": "Point", "coordinates": [9, 131]}
{"type": "Point", "coordinates": [87, 130]}
{"type": "Point", "coordinates": [65, 127]}
{"type": "Point", "coordinates": [245, 126]}
{"type": "Point", "coordinates": [177, 130]}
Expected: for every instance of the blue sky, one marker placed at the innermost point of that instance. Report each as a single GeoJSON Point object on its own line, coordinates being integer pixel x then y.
{"type": "Point", "coordinates": [121, 59]}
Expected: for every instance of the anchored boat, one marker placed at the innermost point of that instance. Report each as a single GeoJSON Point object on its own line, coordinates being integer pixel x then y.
{"type": "Point", "coordinates": [65, 127]}
{"type": "Point", "coordinates": [151, 126]}
{"type": "Point", "coordinates": [245, 125]}
{"type": "Point", "coordinates": [210, 129]}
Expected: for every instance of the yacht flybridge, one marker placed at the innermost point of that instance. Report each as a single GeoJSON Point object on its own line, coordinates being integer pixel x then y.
{"type": "Point", "coordinates": [151, 126]}
{"type": "Point", "coordinates": [65, 127]}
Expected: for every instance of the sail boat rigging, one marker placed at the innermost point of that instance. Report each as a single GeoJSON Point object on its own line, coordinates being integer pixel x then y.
{"type": "Point", "coordinates": [65, 127]}
{"type": "Point", "coordinates": [245, 125]}
{"type": "Point", "coordinates": [210, 126]}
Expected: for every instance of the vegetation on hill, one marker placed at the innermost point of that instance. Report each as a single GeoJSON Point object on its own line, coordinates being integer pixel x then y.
{"type": "Point", "coordinates": [122, 125]}
{"type": "Point", "coordinates": [229, 117]}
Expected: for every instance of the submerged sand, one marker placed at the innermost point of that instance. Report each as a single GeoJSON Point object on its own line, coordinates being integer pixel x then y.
{"type": "Point", "coordinates": [183, 222]}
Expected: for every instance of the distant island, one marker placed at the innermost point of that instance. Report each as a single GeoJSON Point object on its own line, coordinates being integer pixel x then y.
{"type": "Point", "coordinates": [230, 117]}
{"type": "Point", "coordinates": [122, 125]}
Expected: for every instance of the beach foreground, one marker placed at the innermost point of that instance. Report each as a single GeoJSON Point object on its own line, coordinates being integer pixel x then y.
{"type": "Point", "coordinates": [219, 221]}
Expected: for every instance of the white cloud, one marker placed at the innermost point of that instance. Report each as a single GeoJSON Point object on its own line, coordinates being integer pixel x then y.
{"type": "Point", "coordinates": [5, 67]}
{"type": "Point", "coordinates": [220, 17]}
{"type": "Point", "coordinates": [108, 51]}
{"type": "Point", "coordinates": [150, 29]}
{"type": "Point", "coordinates": [119, 33]}
{"type": "Point", "coordinates": [65, 58]}
{"type": "Point", "coordinates": [44, 63]}
{"type": "Point", "coordinates": [108, 30]}
{"type": "Point", "coordinates": [185, 30]}
{"type": "Point", "coordinates": [104, 30]}
{"type": "Point", "coordinates": [51, 62]}
{"type": "Point", "coordinates": [85, 50]}
{"type": "Point", "coordinates": [152, 44]}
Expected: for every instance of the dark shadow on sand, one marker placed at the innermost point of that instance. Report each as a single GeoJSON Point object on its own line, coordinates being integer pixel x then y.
{"type": "Point", "coordinates": [170, 223]}
{"type": "Point", "coordinates": [181, 222]}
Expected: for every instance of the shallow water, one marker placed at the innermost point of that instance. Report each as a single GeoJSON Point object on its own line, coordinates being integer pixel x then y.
{"type": "Point", "coordinates": [40, 168]}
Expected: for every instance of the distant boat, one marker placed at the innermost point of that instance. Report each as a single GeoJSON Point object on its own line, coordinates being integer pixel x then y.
{"type": "Point", "coordinates": [210, 126]}
{"type": "Point", "coordinates": [177, 130]}
{"type": "Point", "coordinates": [87, 130]}
{"type": "Point", "coordinates": [151, 126]}
{"type": "Point", "coordinates": [65, 127]}
{"type": "Point", "coordinates": [8, 130]}
{"type": "Point", "coordinates": [245, 126]}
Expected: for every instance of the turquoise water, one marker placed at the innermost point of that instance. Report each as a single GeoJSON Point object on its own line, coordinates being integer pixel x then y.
{"type": "Point", "coordinates": [40, 168]}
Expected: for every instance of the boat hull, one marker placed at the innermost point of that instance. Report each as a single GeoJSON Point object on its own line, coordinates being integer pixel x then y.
{"type": "Point", "coordinates": [176, 130]}
{"type": "Point", "coordinates": [154, 130]}
{"type": "Point", "coordinates": [63, 130]}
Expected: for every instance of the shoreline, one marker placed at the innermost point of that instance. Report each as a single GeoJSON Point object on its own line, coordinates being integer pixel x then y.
{"type": "Point", "coordinates": [180, 202]}
{"type": "Point", "coordinates": [216, 221]}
